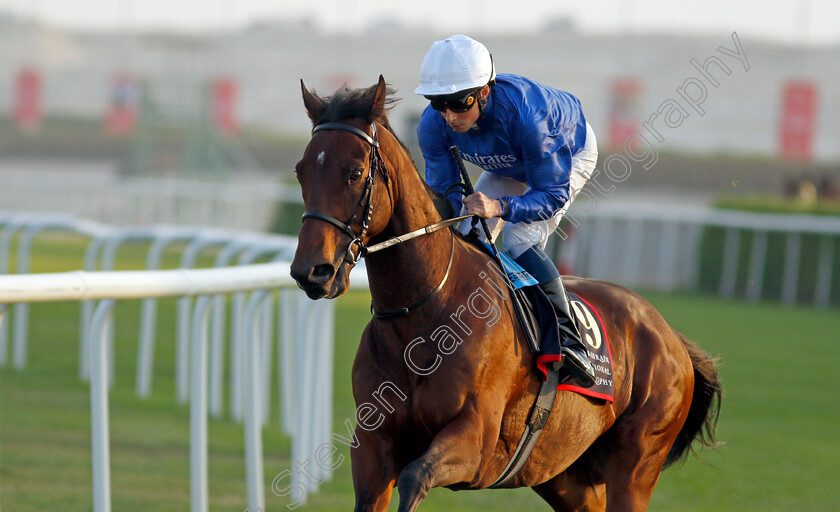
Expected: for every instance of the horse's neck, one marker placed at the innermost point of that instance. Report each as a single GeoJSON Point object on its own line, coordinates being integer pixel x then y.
{"type": "Point", "coordinates": [405, 273]}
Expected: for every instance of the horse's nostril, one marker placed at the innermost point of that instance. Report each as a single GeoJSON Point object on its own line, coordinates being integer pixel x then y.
{"type": "Point", "coordinates": [322, 273]}
{"type": "Point", "coordinates": [298, 274]}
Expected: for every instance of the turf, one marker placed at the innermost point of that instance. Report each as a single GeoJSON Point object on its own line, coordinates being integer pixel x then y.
{"type": "Point", "coordinates": [778, 420]}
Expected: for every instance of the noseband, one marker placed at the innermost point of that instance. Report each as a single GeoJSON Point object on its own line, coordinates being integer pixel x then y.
{"type": "Point", "coordinates": [356, 239]}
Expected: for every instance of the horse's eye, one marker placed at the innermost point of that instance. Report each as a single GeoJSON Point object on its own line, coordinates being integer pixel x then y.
{"type": "Point", "coordinates": [355, 175]}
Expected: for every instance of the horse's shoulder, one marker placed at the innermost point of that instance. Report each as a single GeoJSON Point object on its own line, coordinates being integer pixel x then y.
{"type": "Point", "coordinates": [477, 257]}
{"type": "Point", "coordinates": [378, 358]}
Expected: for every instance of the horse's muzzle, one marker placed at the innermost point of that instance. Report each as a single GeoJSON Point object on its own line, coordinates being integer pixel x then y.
{"type": "Point", "coordinates": [315, 280]}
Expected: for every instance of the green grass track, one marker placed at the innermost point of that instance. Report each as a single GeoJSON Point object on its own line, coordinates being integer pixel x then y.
{"type": "Point", "coordinates": [779, 419]}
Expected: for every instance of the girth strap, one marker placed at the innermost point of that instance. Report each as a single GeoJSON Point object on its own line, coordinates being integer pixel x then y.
{"type": "Point", "coordinates": [536, 422]}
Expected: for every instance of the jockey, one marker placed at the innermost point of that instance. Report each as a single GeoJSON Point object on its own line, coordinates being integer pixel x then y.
{"type": "Point", "coordinates": [536, 150]}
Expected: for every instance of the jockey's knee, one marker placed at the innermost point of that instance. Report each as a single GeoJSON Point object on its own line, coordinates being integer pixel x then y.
{"type": "Point", "coordinates": [521, 237]}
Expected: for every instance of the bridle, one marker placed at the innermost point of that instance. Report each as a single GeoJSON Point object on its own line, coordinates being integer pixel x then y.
{"type": "Point", "coordinates": [366, 202]}
{"type": "Point", "coordinates": [356, 239]}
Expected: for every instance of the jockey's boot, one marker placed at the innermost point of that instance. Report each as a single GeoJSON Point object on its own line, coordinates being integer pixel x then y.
{"type": "Point", "coordinates": [539, 265]}
{"type": "Point", "coordinates": [574, 353]}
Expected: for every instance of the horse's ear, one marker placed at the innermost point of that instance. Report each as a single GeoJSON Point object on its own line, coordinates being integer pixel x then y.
{"type": "Point", "coordinates": [315, 106]}
{"type": "Point", "coordinates": [376, 96]}
{"type": "Point", "coordinates": [381, 94]}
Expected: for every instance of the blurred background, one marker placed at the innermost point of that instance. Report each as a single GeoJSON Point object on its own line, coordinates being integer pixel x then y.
{"type": "Point", "coordinates": [211, 89]}
{"type": "Point", "coordinates": [719, 178]}
{"type": "Point", "coordinates": [189, 112]}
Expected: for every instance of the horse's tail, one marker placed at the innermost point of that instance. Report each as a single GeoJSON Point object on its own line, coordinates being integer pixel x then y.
{"type": "Point", "coordinates": [705, 405]}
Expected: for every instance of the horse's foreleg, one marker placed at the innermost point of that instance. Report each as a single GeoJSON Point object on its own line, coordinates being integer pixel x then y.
{"type": "Point", "coordinates": [453, 457]}
{"type": "Point", "coordinates": [374, 473]}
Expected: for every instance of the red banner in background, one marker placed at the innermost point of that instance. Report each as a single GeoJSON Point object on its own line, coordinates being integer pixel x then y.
{"type": "Point", "coordinates": [798, 120]}
{"type": "Point", "coordinates": [27, 101]}
{"type": "Point", "coordinates": [124, 109]}
{"type": "Point", "coordinates": [223, 103]}
{"type": "Point", "coordinates": [624, 110]}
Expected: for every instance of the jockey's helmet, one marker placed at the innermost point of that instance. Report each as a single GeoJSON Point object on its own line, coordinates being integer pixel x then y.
{"type": "Point", "coordinates": [455, 64]}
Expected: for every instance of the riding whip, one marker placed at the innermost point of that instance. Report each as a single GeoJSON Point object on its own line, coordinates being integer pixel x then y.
{"type": "Point", "coordinates": [520, 299]}
{"type": "Point", "coordinates": [468, 188]}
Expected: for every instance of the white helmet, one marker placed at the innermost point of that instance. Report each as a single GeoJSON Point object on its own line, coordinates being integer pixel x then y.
{"type": "Point", "coordinates": [455, 64]}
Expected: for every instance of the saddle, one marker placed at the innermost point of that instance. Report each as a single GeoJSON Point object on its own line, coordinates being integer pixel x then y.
{"type": "Point", "coordinates": [532, 306]}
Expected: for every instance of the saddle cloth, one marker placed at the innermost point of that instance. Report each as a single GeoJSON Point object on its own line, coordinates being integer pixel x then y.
{"type": "Point", "coordinates": [594, 336]}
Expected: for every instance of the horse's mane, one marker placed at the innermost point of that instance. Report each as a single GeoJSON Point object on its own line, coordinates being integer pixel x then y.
{"type": "Point", "coordinates": [347, 103]}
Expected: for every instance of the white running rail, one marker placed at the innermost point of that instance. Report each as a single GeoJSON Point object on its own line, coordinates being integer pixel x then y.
{"type": "Point", "coordinates": [111, 286]}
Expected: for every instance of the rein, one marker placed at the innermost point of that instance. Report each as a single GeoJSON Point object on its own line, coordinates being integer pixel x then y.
{"type": "Point", "coordinates": [425, 230]}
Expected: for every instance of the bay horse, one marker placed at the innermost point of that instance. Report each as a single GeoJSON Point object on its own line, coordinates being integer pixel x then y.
{"type": "Point", "coordinates": [443, 381]}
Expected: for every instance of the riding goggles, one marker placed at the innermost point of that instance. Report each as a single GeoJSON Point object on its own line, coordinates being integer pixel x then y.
{"type": "Point", "coordinates": [459, 102]}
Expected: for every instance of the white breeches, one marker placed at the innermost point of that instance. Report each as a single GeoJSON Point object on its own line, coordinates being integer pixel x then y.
{"type": "Point", "coordinates": [520, 236]}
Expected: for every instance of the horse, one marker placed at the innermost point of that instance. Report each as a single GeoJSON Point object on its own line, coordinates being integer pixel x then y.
{"type": "Point", "coordinates": [442, 378]}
